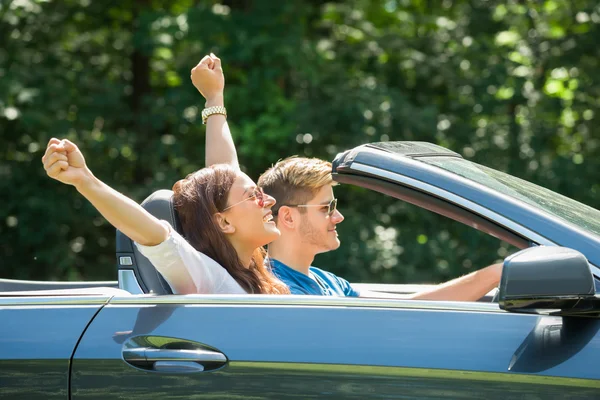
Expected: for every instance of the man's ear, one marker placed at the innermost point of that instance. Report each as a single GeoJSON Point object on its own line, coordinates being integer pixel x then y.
{"type": "Point", "coordinates": [223, 224]}
{"type": "Point", "coordinates": [286, 217]}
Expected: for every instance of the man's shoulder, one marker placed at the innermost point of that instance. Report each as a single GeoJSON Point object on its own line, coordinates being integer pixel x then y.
{"type": "Point", "coordinates": [324, 274]}
{"type": "Point", "coordinates": [340, 285]}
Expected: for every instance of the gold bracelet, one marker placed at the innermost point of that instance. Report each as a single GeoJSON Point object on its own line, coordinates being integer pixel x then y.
{"type": "Point", "coordinates": [207, 112]}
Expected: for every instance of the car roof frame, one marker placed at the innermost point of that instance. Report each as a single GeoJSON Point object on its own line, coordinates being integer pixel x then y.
{"type": "Point", "coordinates": [408, 171]}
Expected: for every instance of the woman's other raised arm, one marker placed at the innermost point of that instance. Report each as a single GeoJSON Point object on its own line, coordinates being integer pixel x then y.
{"type": "Point", "coordinates": [209, 79]}
{"type": "Point", "coordinates": [64, 162]}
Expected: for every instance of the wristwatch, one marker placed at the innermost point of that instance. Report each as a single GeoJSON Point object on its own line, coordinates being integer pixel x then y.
{"type": "Point", "coordinates": [207, 112]}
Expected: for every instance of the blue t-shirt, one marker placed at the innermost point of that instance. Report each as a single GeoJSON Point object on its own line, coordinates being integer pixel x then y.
{"type": "Point", "coordinates": [318, 282]}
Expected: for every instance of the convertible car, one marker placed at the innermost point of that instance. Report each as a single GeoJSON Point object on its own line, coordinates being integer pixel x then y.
{"type": "Point", "coordinates": [536, 337]}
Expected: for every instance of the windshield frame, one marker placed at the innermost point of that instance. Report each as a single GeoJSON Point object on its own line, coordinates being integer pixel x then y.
{"type": "Point", "coordinates": [521, 190]}
{"type": "Point", "coordinates": [412, 172]}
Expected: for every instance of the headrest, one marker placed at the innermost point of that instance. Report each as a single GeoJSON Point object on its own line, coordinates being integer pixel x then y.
{"type": "Point", "coordinates": [160, 204]}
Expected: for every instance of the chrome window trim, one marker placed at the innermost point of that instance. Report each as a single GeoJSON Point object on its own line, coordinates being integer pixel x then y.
{"type": "Point", "coordinates": [128, 282]}
{"type": "Point", "coordinates": [303, 301]}
{"type": "Point", "coordinates": [68, 301]}
{"type": "Point", "coordinates": [462, 202]}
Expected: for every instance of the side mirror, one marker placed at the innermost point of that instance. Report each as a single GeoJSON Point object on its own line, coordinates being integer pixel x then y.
{"type": "Point", "coordinates": [555, 280]}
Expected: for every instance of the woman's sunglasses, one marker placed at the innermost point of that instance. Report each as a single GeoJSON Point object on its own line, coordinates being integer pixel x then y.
{"type": "Point", "coordinates": [257, 194]}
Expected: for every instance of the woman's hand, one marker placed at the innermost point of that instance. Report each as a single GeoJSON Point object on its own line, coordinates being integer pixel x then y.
{"type": "Point", "coordinates": [208, 78]}
{"type": "Point", "coordinates": [64, 162]}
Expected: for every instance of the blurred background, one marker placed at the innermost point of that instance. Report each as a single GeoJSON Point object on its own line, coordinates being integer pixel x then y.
{"type": "Point", "coordinates": [514, 85]}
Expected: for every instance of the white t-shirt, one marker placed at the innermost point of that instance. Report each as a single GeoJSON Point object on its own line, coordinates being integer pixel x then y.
{"type": "Point", "coordinates": [188, 270]}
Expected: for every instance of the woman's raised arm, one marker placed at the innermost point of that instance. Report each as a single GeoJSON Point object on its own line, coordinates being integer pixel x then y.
{"type": "Point", "coordinates": [64, 162]}
{"type": "Point", "coordinates": [208, 78]}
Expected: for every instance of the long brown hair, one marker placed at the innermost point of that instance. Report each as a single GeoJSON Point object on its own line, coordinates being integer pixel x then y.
{"type": "Point", "coordinates": [197, 199]}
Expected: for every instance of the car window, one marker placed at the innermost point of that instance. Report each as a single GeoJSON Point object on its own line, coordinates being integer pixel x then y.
{"type": "Point", "coordinates": [551, 202]}
{"type": "Point", "coordinates": [391, 241]}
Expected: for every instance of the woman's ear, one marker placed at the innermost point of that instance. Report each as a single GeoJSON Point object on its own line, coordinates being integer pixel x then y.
{"type": "Point", "coordinates": [286, 218]}
{"type": "Point", "coordinates": [223, 224]}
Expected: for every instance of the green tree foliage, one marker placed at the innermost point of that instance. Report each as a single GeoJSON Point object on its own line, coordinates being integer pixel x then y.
{"type": "Point", "coordinates": [514, 85]}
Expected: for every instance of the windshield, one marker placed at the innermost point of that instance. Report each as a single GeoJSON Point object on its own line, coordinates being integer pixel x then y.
{"type": "Point", "coordinates": [579, 214]}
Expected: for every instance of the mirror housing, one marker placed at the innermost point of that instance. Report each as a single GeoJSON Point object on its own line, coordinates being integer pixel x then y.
{"type": "Point", "coordinates": [548, 280]}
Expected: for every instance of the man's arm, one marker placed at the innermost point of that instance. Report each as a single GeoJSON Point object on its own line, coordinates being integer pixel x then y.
{"type": "Point", "coordinates": [470, 287]}
{"type": "Point", "coordinates": [208, 78]}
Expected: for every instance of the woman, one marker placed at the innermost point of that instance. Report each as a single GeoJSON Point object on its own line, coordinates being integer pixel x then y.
{"type": "Point", "coordinates": [225, 217]}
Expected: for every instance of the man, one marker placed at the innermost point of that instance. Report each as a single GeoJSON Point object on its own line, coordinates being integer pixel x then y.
{"type": "Point", "coordinates": [306, 210]}
{"type": "Point", "coordinates": [307, 217]}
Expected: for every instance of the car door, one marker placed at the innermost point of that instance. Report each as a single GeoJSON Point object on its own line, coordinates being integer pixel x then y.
{"type": "Point", "coordinates": [290, 347]}
{"type": "Point", "coordinates": [38, 335]}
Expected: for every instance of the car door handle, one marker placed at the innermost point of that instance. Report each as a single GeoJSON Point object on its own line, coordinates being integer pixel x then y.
{"type": "Point", "coordinates": [174, 360]}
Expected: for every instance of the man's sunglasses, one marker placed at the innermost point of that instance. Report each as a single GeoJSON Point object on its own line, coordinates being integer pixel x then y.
{"type": "Point", "coordinates": [257, 194]}
{"type": "Point", "coordinates": [331, 207]}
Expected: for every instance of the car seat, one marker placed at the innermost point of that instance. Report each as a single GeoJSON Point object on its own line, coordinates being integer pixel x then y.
{"type": "Point", "coordinates": [136, 273]}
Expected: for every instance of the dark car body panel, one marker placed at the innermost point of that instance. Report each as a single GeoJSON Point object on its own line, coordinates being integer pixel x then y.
{"type": "Point", "coordinates": [37, 339]}
{"type": "Point", "coordinates": [280, 350]}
